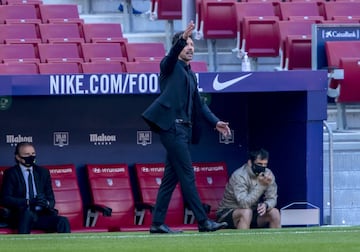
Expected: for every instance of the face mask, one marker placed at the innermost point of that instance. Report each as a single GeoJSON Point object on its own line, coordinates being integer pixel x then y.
{"type": "Point", "coordinates": [29, 161]}
{"type": "Point", "coordinates": [257, 169]}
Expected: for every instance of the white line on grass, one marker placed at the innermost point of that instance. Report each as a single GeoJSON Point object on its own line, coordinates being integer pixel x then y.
{"type": "Point", "coordinates": [146, 236]}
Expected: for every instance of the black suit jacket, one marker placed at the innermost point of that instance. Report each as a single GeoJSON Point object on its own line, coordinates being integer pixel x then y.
{"type": "Point", "coordinates": [13, 191]}
{"type": "Point", "coordinates": [174, 84]}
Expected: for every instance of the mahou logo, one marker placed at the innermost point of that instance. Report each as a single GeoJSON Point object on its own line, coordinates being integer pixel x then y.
{"type": "Point", "coordinates": [13, 140]}
{"type": "Point", "coordinates": [102, 139]}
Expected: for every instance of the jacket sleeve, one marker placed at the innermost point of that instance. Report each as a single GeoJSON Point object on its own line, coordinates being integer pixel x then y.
{"type": "Point", "coordinates": [168, 63]}
{"type": "Point", "coordinates": [11, 196]}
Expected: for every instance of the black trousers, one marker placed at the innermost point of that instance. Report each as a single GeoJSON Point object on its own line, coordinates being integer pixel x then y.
{"type": "Point", "coordinates": [178, 168]}
{"type": "Point", "coordinates": [28, 220]}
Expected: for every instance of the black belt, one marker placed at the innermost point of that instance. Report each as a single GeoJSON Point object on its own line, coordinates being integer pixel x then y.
{"type": "Point", "coordinates": [182, 121]}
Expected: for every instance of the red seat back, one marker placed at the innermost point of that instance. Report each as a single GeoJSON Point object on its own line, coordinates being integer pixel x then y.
{"type": "Point", "coordinates": [104, 51]}
{"type": "Point", "coordinates": [60, 68]}
{"type": "Point", "coordinates": [110, 186]}
{"type": "Point", "coordinates": [149, 179]}
{"type": "Point", "coordinates": [103, 32]}
{"type": "Point", "coordinates": [143, 67]}
{"type": "Point", "coordinates": [341, 10]}
{"type": "Point", "coordinates": [18, 53]}
{"type": "Point", "coordinates": [218, 19]}
{"type": "Point", "coordinates": [349, 86]}
{"type": "Point", "coordinates": [210, 179]}
{"type": "Point", "coordinates": [101, 67]}
{"type": "Point", "coordinates": [145, 51]}
{"type": "Point", "coordinates": [60, 52]}
{"type": "Point", "coordinates": [19, 68]}
{"type": "Point", "coordinates": [168, 10]}
{"type": "Point", "coordinates": [67, 193]}
{"type": "Point", "coordinates": [298, 52]}
{"type": "Point", "coordinates": [63, 13]}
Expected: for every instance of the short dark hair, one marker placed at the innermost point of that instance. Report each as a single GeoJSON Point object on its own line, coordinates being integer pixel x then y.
{"type": "Point", "coordinates": [260, 153]}
{"type": "Point", "coordinates": [20, 145]}
{"type": "Point", "coordinates": [177, 36]}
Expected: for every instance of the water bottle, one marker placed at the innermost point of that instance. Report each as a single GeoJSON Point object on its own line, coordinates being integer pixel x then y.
{"type": "Point", "coordinates": [245, 64]}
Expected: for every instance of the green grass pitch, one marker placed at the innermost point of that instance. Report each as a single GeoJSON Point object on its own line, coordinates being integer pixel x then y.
{"type": "Point", "coordinates": [317, 239]}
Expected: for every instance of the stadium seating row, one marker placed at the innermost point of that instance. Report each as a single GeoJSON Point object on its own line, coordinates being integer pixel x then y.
{"type": "Point", "coordinates": [255, 25]}
{"type": "Point", "coordinates": [114, 206]}
{"type": "Point", "coordinates": [95, 67]}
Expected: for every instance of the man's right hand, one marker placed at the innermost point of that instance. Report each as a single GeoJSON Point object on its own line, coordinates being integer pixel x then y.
{"type": "Point", "coordinates": [265, 178]}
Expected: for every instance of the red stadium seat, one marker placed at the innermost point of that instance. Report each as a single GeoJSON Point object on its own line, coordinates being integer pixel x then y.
{"type": "Point", "coordinates": [104, 52]}
{"type": "Point", "coordinates": [211, 179]}
{"type": "Point", "coordinates": [60, 32]}
{"type": "Point", "coordinates": [63, 13]}
{"type": "Point", "coordinates": [25, 13]}
{"type": "Point", "coordinates": [261, 37]}
{"type": "Point", "coordinates": [260, 17]}
{"type": "Point", "coordinates": [145, 51]}
{"type": "Point", "coordinates": [103, 32]}
{"type": "Point", "coordinates": [143, 67]}
{"type": "Point", "coordinates": [19, 68]}
{"type": "Point", "coordinates": [349, 86]}
{"type": "Point", "coordinates": [18, 53]}
{"type": "Point", "coordinates": [166, 10]}
{"type": "Point", "coordinates": [19, 33]}
{"type": "Point", "coordinates": [100, 67]}
{"type": "Point", "coordinates": [335, 50]}
{"type": "Point", "coordinates": [111, 190]}
{"type": "Point", "coordinates": [218, 19]}
{"type": "Point", "coordinates": [298, 52]}
{"type": "Point", "coordinates": [60, 68]}
{"type": "Point", "coordinates": [149, 179]}
{"type": "Point", "coordinates": [3, 228]}
{"type": "Point", "coordinates": [300, 11]}
{"type": "Point", "coordinates": [286, 28]}
{"type": "Point", "coordinates": [67, 196]}
{"type": "Point", "coordinates": [342, 10]}
{"type": "Point", "coordinates": [199, 66]}
{"type": "Point", "coordinates": [62, 52]}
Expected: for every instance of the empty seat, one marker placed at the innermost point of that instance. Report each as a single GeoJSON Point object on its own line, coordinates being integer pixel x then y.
{"type": "Point", "coordinates": [166, 10]}
{"type": "Point", "coordinates": [218, 19]}
{"type": "Point", "coordinates": [149, 179]}
{"type": "Point", "coordinates": [145, 51]}
{"type": "Point", "coordinates": [335, 50]}
{"type": "Point", "coordinates": [55, 13]}
{"type": "Point", "coordinates": [104, 52]}
{"type": "Point", "coordinates": [103, 32]}
{"type": "Point", "coordinates": [143, 67]}
{"type": "Point", "coordinates": [260, 37]}
{"type": "Point", "coordinates": [67, 196]}
{"type": "Point", "coordinates": [288, 27]}
{"type": "Point", "coordinates": [260, 17]}
{"type": "Point", "coordinates": [342, 10]}
{"type": "Point", "coordinates": [298, 52]}
{"type": "Point", "coordinates": [349, 86]}
{"type": "Point", "coordinates": [25, 13]}
{"type": "Point", "coordinates": [210, 180]}
{"type": "Point", "coordinates": [60, 32]}
{"type": "Point", "coordinates": [19, 33]}
{"type": "Point", "coordinates": [111, 190]}
{"type": "Point", "coordinates": [19, 68]}
{"type": "Point", "coordinates": [101, 67]}
{"type": "Point", "coordinates": [18, 53]}
{"type": "Point", "coordinates": [59, 68]}
{"type": "Point", "coordinates": [300, 11]}
{"type": "Point", "coordinates": [62, 52]}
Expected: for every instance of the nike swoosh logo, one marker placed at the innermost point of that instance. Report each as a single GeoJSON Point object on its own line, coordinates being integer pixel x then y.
{"type": "Point", "coordinates": [217, 85]}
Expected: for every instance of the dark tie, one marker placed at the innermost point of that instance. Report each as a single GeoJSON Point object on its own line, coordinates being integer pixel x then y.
{"type": "Point", "coordinates": [31, 185]}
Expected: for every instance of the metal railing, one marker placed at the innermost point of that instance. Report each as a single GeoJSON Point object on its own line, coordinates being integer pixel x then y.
{"type": "Point", "coordinates": [331, 170]}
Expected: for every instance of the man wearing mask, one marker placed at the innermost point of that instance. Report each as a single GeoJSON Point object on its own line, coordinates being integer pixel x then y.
{"type": "Point", "coordinates": [250, 195]}
{"type": "Point", "coordinates": [27, 192]}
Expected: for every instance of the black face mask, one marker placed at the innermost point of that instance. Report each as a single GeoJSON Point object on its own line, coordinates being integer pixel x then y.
{"type": "Point", "coordinates": [29, 161]}
{"type": "Point", "coordinates": [257, 169]}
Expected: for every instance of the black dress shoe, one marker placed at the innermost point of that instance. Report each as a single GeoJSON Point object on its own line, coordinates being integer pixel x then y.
{"type": "Point", "coordinates": [211, 226]}
{"type": "Point", "coordinates": [163, 229]}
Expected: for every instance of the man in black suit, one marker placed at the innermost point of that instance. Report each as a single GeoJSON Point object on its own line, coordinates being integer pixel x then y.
{"type": "Point", "coordinates": [175, 115]}
{"type": "Point", "coordinates": [27, 192]}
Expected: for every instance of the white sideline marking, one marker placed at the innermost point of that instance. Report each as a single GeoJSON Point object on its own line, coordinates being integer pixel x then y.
{"type": "Point", "coordinates": [6, 237]}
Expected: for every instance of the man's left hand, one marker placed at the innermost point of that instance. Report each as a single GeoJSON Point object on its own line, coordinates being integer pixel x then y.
{"type": "Point", "coordinates": [223, 128]}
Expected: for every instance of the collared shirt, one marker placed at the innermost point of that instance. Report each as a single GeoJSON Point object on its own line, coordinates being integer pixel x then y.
{"type": "Point", "coordinates": [25, 173]}
{"type": "Point", "coordinates": [186, 112]}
